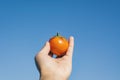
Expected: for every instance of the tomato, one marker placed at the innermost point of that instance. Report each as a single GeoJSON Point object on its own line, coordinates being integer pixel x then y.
{"type": "Point", "coordinates": [58, 45]}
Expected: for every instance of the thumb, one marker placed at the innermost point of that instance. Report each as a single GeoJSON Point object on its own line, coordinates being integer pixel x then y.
{"type": "Point", "coordinates": [71, 46]}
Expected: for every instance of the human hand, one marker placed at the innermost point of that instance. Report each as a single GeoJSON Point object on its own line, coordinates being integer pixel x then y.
{"type": "Point", "coordinates": [54, 68]}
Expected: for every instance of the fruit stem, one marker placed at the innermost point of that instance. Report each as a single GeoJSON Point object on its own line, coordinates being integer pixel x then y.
{"type": "Point", "coordinates": [58, 34]}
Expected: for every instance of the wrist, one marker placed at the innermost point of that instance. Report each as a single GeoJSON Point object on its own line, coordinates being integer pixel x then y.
{"type": "Point", "coordinates": [51, 78]}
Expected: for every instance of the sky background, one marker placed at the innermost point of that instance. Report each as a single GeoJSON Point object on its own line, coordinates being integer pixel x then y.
{"type": "Point", "coordinates": [25, 25]}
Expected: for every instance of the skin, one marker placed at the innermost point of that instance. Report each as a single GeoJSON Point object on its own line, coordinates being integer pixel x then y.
{"type": "Point", "coordinates": [54, 68]}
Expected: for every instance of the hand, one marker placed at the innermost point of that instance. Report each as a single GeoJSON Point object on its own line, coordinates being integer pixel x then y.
{"type": "Point", "coordinates": [54, 68]}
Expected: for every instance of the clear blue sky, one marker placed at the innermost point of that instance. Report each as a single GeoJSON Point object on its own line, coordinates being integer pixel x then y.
{"type": "Point", "coordinates": [25, 25]}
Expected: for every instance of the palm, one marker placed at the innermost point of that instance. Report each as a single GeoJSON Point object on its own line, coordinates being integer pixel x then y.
{"type": "Point", "coordinates": [59, 66]}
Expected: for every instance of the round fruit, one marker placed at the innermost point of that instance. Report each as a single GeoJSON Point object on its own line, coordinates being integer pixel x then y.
{"type": "Point", "coordinates": [58, 45]}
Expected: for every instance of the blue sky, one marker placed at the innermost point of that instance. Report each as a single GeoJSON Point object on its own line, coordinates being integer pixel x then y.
{"type": "Point", "coordinates": [25, 25]}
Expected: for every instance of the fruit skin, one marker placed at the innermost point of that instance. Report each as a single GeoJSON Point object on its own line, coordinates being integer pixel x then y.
{"type": "Point", "coordinates": [58, 45]}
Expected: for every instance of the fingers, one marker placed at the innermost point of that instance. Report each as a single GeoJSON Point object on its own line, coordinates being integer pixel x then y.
{"type": "Point", "coordinates": [69, 52]}
{"type": "Point", "coordinates": [46, 49]}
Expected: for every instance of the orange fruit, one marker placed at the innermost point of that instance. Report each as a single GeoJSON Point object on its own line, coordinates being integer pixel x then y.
{"type": "Point", "coordinates": [58, 45]}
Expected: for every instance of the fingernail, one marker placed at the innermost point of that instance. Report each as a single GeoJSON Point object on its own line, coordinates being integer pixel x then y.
{"type": "Point", "coordinates": [71, 37]}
